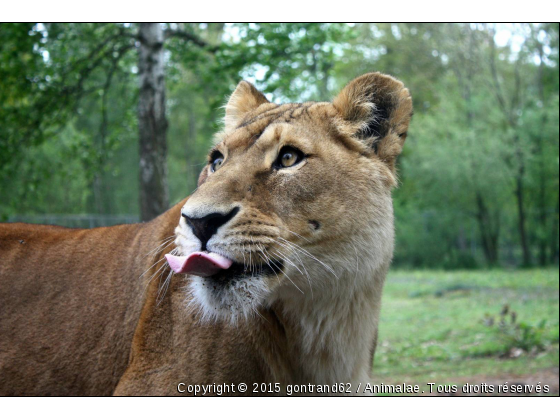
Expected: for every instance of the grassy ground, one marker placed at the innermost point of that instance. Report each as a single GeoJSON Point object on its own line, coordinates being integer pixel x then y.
{"type": "Point", "coordinates": [445, 327]}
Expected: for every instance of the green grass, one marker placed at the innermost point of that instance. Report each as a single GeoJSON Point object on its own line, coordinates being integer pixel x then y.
{"type": "Point", "coordinates": [434, 325]}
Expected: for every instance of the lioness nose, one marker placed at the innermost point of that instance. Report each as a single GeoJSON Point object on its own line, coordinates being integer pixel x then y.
{"type": "Point", "coordinates": [206, 226]}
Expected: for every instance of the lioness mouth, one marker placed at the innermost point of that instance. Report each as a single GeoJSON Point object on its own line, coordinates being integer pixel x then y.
{"type": "Point", "coordinates": [210, 264]}
{"type": "Point", "coordinates": [203, 264]}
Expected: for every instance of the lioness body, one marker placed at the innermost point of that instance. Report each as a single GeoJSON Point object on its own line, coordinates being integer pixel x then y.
{"type": "Point", "coordinates": [295, 202]}
{"type": "Point", "coordinates": [67, 329]}
{"type": "Point", "coordinates": [70, 300]}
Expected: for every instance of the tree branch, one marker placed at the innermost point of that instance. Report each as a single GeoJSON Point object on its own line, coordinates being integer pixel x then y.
{"type": "Point", "coordinates": [106, 86]}
{"type": "Point", "coordinates": [187, 36]}
{"type": "Point", "coordinates": [495, 79]}
{"type": "Point", "coordinates": [121, 33]}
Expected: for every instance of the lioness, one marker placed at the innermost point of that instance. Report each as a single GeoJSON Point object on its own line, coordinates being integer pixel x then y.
{"type": "Point", "coordinates": [272, 276]}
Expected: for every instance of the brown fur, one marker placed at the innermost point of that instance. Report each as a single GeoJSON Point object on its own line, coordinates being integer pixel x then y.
{"type": "Point", "coordinates": [99, 326]}
{"type": "Point", "coordinates": [66, 327]}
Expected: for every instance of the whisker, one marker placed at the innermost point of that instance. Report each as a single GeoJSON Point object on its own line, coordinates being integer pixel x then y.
{"type": "Point", "coordinates": [162, 258]}
{"type": "Point", "coordinates": [161, 269]}
{"type": "Point", "coordinates": [305, 273]}
{"type": "Point", "coordinates": [288, 277]}
{"type": "Point", "coordinates": [285, 258]}
{"type": "Point", "coordinates": [163, 289]}
{"type": "Point", "coordinates": [327, 267]}
{"type": "Point", "coordinates": [260, 316]}
{"type": "Point", "coordinates": [268, 260]}
{"type": "Point", "coordinates": [164, 242]}
{"type": "Point", "coordinates": [299, 236]}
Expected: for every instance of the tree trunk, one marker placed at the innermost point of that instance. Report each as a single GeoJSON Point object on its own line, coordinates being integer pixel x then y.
{"type": "Point", "coordinates": [542, 216]}
{"type": "Point", "coordinates": [152, 123]}
{"type": "Point", "coordinates": [554, 237]}
{"type": "Point", "coordinates": [511, 109]}
{"type": "Point", "coordinates": [489, 231]}
{"type": "Point", "coordinates": [520, 198]}
{"type": "Point", "coordinates": [542, 201]}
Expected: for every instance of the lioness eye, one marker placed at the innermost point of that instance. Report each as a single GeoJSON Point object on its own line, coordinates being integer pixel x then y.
{"type": "Point", "coordinates": [216, 161]}
{"type": "Point", "coordinates": [288, 156]}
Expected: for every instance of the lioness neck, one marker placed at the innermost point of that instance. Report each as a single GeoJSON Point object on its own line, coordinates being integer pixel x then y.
{"type": "Point", "coordinates": [329, 338]}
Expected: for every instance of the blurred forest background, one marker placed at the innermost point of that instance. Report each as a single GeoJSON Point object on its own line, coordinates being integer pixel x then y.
{"type": "Point", "coordinates": [110, 123]}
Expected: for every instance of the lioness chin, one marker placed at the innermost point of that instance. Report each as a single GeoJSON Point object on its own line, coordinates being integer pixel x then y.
{"type": "Point", "coordinates": [274, 272]}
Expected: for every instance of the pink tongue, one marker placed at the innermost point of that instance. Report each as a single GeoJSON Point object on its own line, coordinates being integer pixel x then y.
{"type": "Point", "coordinates": [202, 264]}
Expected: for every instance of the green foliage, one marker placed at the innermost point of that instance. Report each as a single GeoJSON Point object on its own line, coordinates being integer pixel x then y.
{"type": "Point", "coordinates": [486, 114]}
{"type": "Point", "coordinates": [45, 71]}
{"type": "Point", "coordinates": [66, 110]}
{"type": "Point", "coordinates": [293, 61]}
{"type": "Point", "coordinates": [23, 73]}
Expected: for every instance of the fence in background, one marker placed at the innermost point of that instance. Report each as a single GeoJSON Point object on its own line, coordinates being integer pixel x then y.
{"type": "Point", "coordinates": [77, 220]}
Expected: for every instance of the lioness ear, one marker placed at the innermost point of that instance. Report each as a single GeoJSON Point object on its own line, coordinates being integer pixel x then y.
{"type": "Point", "coordinates": [378, 109]}
{"type": "Point", "coordinates": [244, 99]}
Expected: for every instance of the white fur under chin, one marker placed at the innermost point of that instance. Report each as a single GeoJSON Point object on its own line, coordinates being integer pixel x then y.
{"type": "Point", "coordinates": [238, 300]}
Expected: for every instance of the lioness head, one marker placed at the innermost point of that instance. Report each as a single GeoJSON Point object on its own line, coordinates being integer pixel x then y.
{"type": "Point", "coordinates": [295, 199]}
